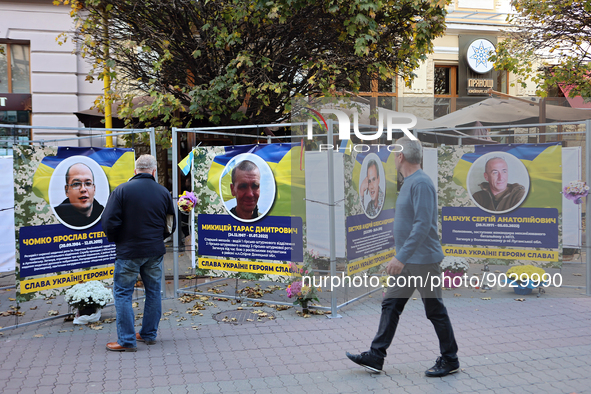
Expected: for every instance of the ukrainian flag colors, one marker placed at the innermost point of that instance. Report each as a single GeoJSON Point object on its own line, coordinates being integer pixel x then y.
{"type": "Point", "coordinates": [185, 164]}
{"type": "Point", "coordinates": [543, 163]}
{"type": "Point", "coordinates": [284, 162]}
{"type": "Point", "coordinates": [117, 164]}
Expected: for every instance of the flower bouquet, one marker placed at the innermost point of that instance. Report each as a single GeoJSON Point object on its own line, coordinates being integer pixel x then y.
{"type": "Point", "coordinates": [303, 294]}
{"type": "Point", "coordinates": [88, 299]}
{"type": "Point", "coordinates": [453, 267]}
{"type": "Point", "coordinates": [525, 278]}
{"type": "Point", "coordinates": [575, 191]}
{"type": "Point", "coordinates": [187, 202]}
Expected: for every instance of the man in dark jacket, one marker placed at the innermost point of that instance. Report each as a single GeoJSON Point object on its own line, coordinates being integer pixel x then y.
{"type": "Point", "coordinates": [135, 219]}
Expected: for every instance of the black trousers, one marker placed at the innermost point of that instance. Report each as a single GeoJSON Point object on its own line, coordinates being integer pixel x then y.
{"type": "Point", "coordinates": [395, 299]}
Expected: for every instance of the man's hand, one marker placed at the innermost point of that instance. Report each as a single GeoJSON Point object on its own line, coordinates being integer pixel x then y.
{"type": "Point", "coordinates": [394, 267]}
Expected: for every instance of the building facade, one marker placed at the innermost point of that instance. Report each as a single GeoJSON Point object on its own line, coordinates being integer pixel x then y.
{"type": "Point", "coordinates": [42, 83]}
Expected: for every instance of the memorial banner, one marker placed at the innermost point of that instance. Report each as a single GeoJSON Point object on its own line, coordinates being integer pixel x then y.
{"type": "Point", "coordinates": [60, 194]}
{"type": "Point", "coordinates": [370, 198]}
{"type": "Point", "coordinates": [502, 202]}
{"type": "Point", "coordinates": [250, 211]}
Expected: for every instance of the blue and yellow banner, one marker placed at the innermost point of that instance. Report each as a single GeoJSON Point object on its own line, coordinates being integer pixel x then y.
{"type": "Point", "coordinates": [252, 209]}
{"type": "Point", "coordinates": [117, 164]}
{"type": "Point", "coordinates": [543, 163]}
{"type": "Point", "coordinates": [60, 196]}
{"type": "Point", "coordinates": [502, 201]}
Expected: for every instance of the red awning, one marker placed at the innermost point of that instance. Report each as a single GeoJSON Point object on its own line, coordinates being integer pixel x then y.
{"type": "Point", "coordinates": [575, 102]}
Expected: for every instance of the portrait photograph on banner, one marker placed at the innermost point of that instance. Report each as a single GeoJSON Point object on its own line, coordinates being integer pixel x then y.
{"type": "Point", "coordinates": [370, 198]}
{"type": "Point", "coordinates": [250, 215]}
{"type": "Point", "coordinates": [60, 194]}
{"type": "Point", "coordinates": [502, 203]}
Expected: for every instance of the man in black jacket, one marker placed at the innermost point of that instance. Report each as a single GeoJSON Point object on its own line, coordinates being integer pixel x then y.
{"type": "Point", "coordinates": [135, 219]}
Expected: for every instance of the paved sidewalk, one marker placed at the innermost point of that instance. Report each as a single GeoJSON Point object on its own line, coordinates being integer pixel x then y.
{"type": "Point", "coordinates": [540, 345]}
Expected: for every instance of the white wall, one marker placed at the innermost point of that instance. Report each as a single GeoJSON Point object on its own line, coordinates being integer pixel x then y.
{"type": "Point", "coordinates": [58, 85]}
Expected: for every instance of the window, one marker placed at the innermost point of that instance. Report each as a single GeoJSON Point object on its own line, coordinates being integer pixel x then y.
{"type": "Point", "coordinates": [383, 93]}
{"type": "Point", "coordinates": [446, 90]}
{"type": "Point", "coordinates": [15, 90]}
{"type": "Point", "coordinates": [15, 72]}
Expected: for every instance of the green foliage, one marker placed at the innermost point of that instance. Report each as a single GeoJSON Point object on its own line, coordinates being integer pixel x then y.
{"type": "Point", "coordinates": [240, 62]}
{"type": "Point", "coordinates": [549, 45]}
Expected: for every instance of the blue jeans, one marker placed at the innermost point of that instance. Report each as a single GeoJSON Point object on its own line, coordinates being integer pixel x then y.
{"type": "Point", "coordinates": [125, 277]}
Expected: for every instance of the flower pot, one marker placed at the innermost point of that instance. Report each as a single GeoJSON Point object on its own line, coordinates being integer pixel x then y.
{"type": "Point", "coordinates": [305, 309]}
{"type": "Point", "coordinates": [522, 290]}
{"type": "Point", "coordinates": [87, 310]}
{"type": "Point", "coordinates": [82, 316]}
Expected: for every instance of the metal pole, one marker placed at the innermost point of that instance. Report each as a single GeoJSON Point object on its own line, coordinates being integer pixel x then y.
{"type": "Point", "coordinates": [331, 217]}
{"type": "Point", "coordinates": [153, 153]}
{"type": "Point", "coordinates": [588, 204]}
{"type": "Point", "coordinates": [153, 149]}
{"type": "Point", "coordinates": [175, 197]}
{"type": "Point", "coordinates": [192, 227]}
{"type": "Point", "coordinates": [107, 81]}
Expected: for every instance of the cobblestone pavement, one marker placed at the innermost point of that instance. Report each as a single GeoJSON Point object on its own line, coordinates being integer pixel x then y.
{"type": "Point", "coordinates": [539, 345]}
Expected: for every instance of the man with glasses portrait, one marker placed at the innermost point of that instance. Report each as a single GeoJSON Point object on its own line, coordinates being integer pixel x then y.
{"type": "Point", "coordinates": [79, 209]}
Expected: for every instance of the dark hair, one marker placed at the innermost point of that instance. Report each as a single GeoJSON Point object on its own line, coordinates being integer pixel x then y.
{"type": "Point", "coordinates": [68, 172]}
{"type": "Point", "coordinates": [373, 163]}
{"type": "Point", "coordinates": [244, 165]}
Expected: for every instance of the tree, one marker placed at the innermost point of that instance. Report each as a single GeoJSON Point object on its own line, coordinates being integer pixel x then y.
{"type": "Point", "coordinates": [550, 44]}
{"type": "Point", "coordinates": [241, 61]}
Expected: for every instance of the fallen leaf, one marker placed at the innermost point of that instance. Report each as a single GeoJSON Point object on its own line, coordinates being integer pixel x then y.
{"type": "Point", "coordinates": [239, 308]}
{"type": "Point", "coordinates": [577, 274]}
{"type": "Point", "coordinates": [11, 299]}
{"type": "Point", "coordinates": [486, 298]}
{"type": "Point", "coordinates": [38, 336]}
{"type": "Point", "coordinates": [282, 307]}
{"type": "Point", "coordinates": [483, 291]}
{"type": "Point", "coordinates": [96, 327]}
{"type": "Point", "coordinates": [135, 305]}
{"type": "Point", "coordinates": [520, 299]}
{"type": "Point", "coordinates": [33, 308]}
{"type": "Point", "coordinates": [60, 331]}
{"type": "Point", "coordinates": [457, 295]}
{"type": "Point", "coordinates": [53, 313]}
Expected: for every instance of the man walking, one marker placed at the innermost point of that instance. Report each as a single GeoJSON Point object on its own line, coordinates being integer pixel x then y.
{"type": "Point", "coordinates": [418, 254]}
{"type": "Point", "coordinates": [135, 219]}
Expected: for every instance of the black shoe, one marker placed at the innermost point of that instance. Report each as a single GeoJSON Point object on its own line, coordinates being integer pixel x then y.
{"type": "Point", "coordinates": [372, 363]}
{"type": "Point", "coordinates": [442, 368]}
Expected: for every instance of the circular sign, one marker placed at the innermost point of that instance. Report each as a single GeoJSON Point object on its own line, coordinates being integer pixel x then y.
{"type": "Point", "coordinates": [478, 53]}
